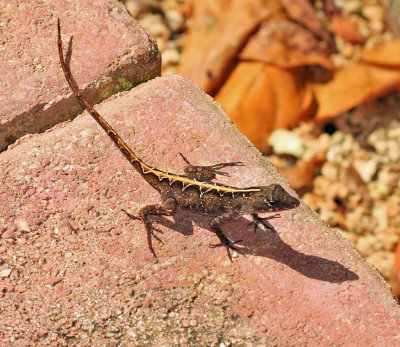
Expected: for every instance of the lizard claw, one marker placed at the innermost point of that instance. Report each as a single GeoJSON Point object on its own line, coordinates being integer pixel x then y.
{"type": "Point", "coordinates": [216, 168]}
{"type": "Point", "coordinates": [150, 234]}
{"type": "Point", "coordinates": [264, 221]}
{"type": "Point", "coordinates": [222, 165]}
{"type": "Point", "coordinates": [208, 172]}
{"type": "Point", "coordinates": [130, 215]}
{"type": "Point", "coordinates": [157, 238]}
{"type": "Point", "coordinates": [150, 227]}
{"type": "Point", "coordinates": [229, 245]}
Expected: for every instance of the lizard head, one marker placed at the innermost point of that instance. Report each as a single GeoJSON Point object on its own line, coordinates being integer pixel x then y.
{"type": "Point", "coordinates": [274, 198]}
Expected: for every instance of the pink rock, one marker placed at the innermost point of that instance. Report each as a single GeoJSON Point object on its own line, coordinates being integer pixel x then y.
{"type": "Point", "coordinates": [47, 267]}
{"type": "Point", "coordinates": [19, 297]}
{"type": "Point", "coordinates": [110, 53]}
{"type": "Point", "coordinates": [303, 285]}
{"type": "Point", "coordinates": [20, 288]}
{"type": "Point", "coordinates": [43, 332]}
{"type": "Point", "coordinates": [9, 234]}
{"type": "Point", "coordinates": [54, 280]}
{"type": "Point", "coordinates": [21, 224]}
{"type": "Point", "coordinates": [185, 323]}
{"type": "Point", "coordinates": [59, 288]}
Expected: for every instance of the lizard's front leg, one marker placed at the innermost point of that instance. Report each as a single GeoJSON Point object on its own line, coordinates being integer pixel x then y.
{"type": "Point", "coordinates": [166, 208]}
{"type": "Point", "coordinates": [225, 241]}
{"type": "Point", "coordinates": [206, 173]}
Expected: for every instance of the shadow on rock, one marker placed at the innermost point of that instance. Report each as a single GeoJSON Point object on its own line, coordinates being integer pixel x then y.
{"type": "Point", "coordinates": [266, 244]}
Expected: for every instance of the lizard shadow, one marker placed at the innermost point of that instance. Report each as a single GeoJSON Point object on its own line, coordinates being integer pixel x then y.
{"type": "Point", "coordinates": [264, 243]}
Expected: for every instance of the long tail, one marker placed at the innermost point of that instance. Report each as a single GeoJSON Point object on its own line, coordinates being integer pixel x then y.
{"type": "Point", "coordinates": [150, 174]}
{"type": "Point", "coordinates": [139, 165]}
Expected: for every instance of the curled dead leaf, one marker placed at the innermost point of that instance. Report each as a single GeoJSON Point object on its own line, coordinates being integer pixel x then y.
{"type": "Point", "coordinates": [260, 98]}
{"type": "Point", "coordinates": [287, 45]}
{"type": "Point", "coordinates": [351, 86]}
{"type": "Point", "coordinates": [303, 12]}
{"type": "Point", "coordinates": [387, 54]}
{"type": "Point", "coordinates": [219, 30]}
{"type": "Point", "coordinates": [346, 29]}
{"type": "Point", "coordinates": [301, 175]}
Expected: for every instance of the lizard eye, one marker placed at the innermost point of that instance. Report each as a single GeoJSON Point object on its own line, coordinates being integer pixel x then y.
{"type": "Point", "coordinates": [270, 202]}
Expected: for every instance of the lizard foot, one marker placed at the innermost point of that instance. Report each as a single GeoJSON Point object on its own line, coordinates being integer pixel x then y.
{"type": "Point", "coordinates": [229, 245]}
{"type": "Point", "coordinates": [206, 173]}
{"type": "Point", "coordinates": [264, 221]}
{"type": "Point", "coordinates": [131, 216]}
{"type": "Point", "coordinates": [150, 235]}
{"type": "Point", "coordinates": [149, 230]}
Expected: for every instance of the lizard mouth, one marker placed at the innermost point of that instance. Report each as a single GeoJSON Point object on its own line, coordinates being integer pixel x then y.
{"type": "Point", "coordinates": [291, 202]}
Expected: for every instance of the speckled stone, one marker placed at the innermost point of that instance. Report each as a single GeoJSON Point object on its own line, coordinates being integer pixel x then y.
{"type": "Point", "coordinates": [109, 52]}
{"type": "Point", "coordinates": [304, 275]}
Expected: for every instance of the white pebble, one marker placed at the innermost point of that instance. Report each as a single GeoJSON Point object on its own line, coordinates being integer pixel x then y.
{"type": "Point", "coordinates": [373, 12]}
{"type": "Point", "coordinates": [351, 6]}
{"type": "Point", "coordinates": [366, 169]}
{"type": "Point", "coordinates": [286, 142]}
{"type": "Point", "coordinates": [170, 56]}
{"type": "Point", "coordinates": [22, 225]}
{"type": "Point", "coordinates": [5, 273]}
{"type": "Point", "coordinates": [175, 19]}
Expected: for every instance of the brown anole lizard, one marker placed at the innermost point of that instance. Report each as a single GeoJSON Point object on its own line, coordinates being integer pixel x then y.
{"type": "Point", "coordinates": [195, 190]}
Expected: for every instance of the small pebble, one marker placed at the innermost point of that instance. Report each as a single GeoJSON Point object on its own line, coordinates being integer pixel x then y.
{"type": "Point", "coordinates": [171, 56]}
{"type": "Point", "coordinates": [366, 169]}
{"type": "Point", "coordinates": [59, 288]}
{"type": "Point", "coordinates": [22, 225]}
{"type": "Point", "coordinates": [174, 19]}
{"type": "Point", "coordinates": [20, 288]}
{"type": "Point", "coordinates": [9, 234]}
{"type": "Point", "coordinates": [47, 267]}
{"type": "Point", "coordinates": [43, 332]}
{"type": "Point", "coordinates": [373, 13]}
{"type": "Point", "coordinates": [351, 6]}
{"type": "Point", "coordinates": [5, 273]}
{"type": "Point", "coordinates": [286, 142]}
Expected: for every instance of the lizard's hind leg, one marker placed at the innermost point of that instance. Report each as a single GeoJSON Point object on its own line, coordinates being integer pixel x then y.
{"type": "Point", "coordinates": [206, 173]}
{"type": "Point", "coordinates": [167, 208]}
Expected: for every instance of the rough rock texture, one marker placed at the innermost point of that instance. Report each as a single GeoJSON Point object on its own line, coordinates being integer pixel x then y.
{"type": "Point", "coordinates": [34, 95]}
{"type": "Point", "coordinates": [76, 269]}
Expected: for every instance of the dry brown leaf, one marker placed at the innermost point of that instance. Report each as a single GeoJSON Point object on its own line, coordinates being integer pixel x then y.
{"type": "Point", "coordinates": [351, 86]}
{"type": "Point", "coordinates": [346, 29]}
{"type": "Point", "coordinates": [301, 175]}
{"type": "Point", "coordinates": [285, 44]}
{"type": "Point", "coordinates": [330, 8]}
{"type": "Point", "coordinates": [260, 98]}
{"type": "Point", "coordinates": [220, 28]}
{"type": "Point", "coordinates": [387, 54]}
{"type": "Point", "coordinates": [303, 12]}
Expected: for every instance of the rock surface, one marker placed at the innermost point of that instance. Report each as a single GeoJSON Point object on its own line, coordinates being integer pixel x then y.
{"type": "Point", "coordinates": [81, 271]}
{"type": "Point", "coordinates": [34, 95]}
